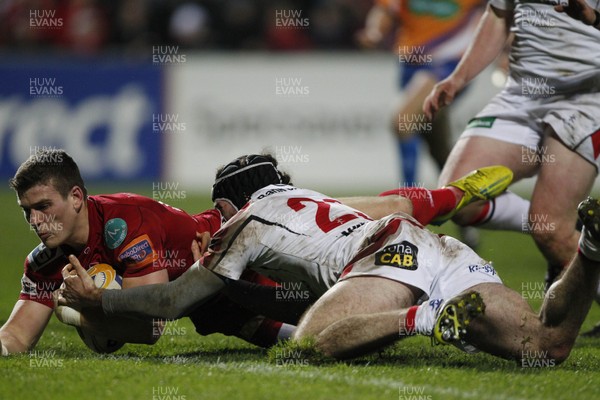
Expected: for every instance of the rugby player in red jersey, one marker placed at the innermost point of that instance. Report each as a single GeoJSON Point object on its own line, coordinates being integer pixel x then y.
{"type": "Point", "coordinates": [146, 241]}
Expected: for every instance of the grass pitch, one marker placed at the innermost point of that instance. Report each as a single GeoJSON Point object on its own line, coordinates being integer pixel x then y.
{"type": "Point", "coordinates": [184, 365]}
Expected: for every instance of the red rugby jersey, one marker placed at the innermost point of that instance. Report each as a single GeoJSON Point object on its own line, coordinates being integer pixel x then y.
{"type": "Point", "coordinates": [135, 234]}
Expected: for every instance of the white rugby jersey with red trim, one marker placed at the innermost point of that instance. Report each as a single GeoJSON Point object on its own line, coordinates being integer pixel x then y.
{"type": "Point", "coordinates": [290, 235]}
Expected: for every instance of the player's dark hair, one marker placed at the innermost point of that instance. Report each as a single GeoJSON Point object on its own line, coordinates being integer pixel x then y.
{"type": "Point", "coordinates": [245, 175]}
{"type": "Point", "coordinates": [48, 167]}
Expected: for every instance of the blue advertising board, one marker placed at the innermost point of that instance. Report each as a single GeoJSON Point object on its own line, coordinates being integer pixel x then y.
{"type": "Point", "coordinates": [99, 112]}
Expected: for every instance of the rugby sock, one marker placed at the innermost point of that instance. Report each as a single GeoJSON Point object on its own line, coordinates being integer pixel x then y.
{"type": "Point", "coordinates": [420, 320]}
{"type": "Point", "coordinates": [506, 212]}
{"type": "Point", "coordinates": [285, 332]}
{"type": "Point", "coordinates": [266, 334]}
{"type": "Point", "coordinates": [588, 246]}
{"type": "Point", "coordinates": [427, 204]}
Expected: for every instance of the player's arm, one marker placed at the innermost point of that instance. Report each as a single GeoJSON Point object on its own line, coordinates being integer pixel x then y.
{"type": "Point", "coordinates": [126, 329]}
{"type": "Point", "coordinates": [378, 24]}
{"type": "Point", "coordinates": [490, 37]}
{"type": "Point", "coordinates": [379, 207]}
{"type": "Point", "coordinates": [166, 300]}
{"type": "Point", "coordinates": [24, 326]}
{"type": "Point", "coordinates": [580, 10]}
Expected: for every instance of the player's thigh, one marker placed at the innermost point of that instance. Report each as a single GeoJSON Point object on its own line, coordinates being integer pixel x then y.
{"type": "Point", "coordinates": [508, 326]}
{"type": "Point", "coordinates": [474, 152]}
{"type": "Point", "coordinates": [565, 179]}
{"type": "Point", "coordinates": [354, 296]}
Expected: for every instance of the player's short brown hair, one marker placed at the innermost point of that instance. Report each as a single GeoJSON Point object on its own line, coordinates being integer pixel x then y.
{"type": "Point", "coordinates": [48, 167]}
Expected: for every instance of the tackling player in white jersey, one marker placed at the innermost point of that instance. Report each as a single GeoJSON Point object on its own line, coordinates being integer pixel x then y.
{"type": "Point", "coordinates": [546, 121]}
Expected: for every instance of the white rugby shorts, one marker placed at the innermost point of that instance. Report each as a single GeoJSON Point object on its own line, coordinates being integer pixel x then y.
{"type": "Point", "coordinates": [521, 119]}
{"type": "Point", "coordinates": [404, 251]}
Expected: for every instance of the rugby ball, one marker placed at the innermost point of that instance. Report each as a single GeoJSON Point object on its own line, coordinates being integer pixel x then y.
{"type": "Point", "coordinates": [105, 277]}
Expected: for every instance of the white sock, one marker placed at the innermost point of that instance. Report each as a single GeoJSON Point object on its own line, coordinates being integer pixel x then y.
{"type": "Point", "coordinates": [68, 315]}
{"type": "Point", "coordinates": [424, 317]}
{"type": "Point", "coordinates": [508, 212]}
{"type": "Point", "coordinates": [589, 246]}
{"type": "Point", "coordinates": [285, 332]}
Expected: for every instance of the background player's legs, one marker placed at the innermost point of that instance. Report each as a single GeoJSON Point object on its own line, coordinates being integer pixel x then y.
{"type": "Point", "coordinates": [408, 121]}
{"type": "Point", "coordinates": [477, 151]}
{"type": "Point", "coordinates": [564, 180]}
{"type": "Point", "coordinates": [510, 329]}
{"type": "Point", "coordinates": [357, 315]}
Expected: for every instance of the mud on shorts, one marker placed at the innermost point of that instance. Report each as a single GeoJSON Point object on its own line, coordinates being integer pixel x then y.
{"type": "Point", "coordinates": [402, 250]}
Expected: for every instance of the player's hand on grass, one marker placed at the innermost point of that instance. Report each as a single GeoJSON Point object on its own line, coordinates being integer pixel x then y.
{"type": "Point", "coordinates": [579, 10]}
{"type": "Point", "coordinates": [443, 94]}
{"type": "Point", "coordinates": [80, 290]}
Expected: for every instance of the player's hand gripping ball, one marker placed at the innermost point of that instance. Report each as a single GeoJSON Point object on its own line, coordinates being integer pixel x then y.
{"type": "Point", "coordinates": [105, 277]}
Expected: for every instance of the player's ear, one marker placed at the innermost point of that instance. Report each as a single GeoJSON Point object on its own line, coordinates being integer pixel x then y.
{"type": "Point", "coordinates": [77, 197]}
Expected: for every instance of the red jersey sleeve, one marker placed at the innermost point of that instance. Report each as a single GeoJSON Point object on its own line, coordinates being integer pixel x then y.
{"type": "Point", "coordinates": [209, 221]}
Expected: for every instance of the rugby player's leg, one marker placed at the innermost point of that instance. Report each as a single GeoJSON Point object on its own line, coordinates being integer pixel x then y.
{"type": "Point", "coordinates": [510, 329]}
{"type": "Point", "coordinates": [357, 315]}
{"type": "Point", "coordinates": [553, 216]}
{"type": "Point", "coordinates": [474, 152]}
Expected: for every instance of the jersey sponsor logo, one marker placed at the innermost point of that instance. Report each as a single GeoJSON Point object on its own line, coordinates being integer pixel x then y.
{"type": "Point", "coordinates": [485, 122]}
{"type": "Point", "coordinates": [401, 255]}
{"type": "Point", "coordinates": [138, 252]}
{"type": "Point", "coordinates": [42, 256]}
{"type": "Point", "coordinates": [275, 191]}
{"type": "Point", "coordinates": [28, 287]}
{"type": "Point", "coordinates": [115, 231]}
{"type": "Point", "coordinates": [486, 269]}
{"type": "Point", "coordinates": [442, 9]}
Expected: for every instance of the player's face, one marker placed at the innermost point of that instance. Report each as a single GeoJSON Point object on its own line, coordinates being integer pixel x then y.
{"type": "Point", "coordinates": [225, 208]}
{"type": "Point", "coordinates": [51, 216]}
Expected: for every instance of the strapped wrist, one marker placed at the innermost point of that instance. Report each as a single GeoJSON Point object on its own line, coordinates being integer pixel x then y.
{"type": "Point", "coordinates": [596, 22]}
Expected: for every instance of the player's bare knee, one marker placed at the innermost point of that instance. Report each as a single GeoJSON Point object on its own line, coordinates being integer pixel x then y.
{"type": "Point", "coordinates": [558, 352]}
{"type": "Point", "coordinates": [545, 354]}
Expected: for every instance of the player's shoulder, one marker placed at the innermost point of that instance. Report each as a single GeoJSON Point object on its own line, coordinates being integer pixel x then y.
{"type": "Point", "coordinates": [44, 258]}
{"type": "Point", "coordinates": [120, 217]}
{"type": "Point", "coordinates": [118, 200]}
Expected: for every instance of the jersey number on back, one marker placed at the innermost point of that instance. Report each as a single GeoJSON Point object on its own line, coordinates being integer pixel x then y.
{"type": "Point", "coordinates": [322, 218]}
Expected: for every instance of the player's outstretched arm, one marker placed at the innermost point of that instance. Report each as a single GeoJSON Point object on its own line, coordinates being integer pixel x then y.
{"type": "Point", "coordinates": [488, 42]}
{"type": "Point", "coordinates": [166, 300]}
{"type": "Point", "coordinates": [24, 326]}
{"type": "Point", "coordinates": [580, 10]}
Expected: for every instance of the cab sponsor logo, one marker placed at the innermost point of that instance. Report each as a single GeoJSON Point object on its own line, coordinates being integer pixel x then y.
{"type": "Point", "coordinates": [138, 251]}
{"type": "Point", "coordinates": [402, 255]}
{"type": "Point", "coordinates": [115, 231]}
